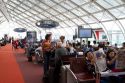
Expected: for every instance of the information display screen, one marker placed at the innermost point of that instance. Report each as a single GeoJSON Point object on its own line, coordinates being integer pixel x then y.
{"type": "Point", "coordinates": [31, 36]}
{"type": "Point", "coordinates": [85, 33]}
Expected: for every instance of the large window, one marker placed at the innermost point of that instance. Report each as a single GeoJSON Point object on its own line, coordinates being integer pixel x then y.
{"type": "Point", "coordinates": [116, 37]}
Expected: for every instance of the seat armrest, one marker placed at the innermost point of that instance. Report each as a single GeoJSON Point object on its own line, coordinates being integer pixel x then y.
{"type": "Point", "coordinates": [71, 77]}
{"type": "Point", "coordinates": [98, 76]}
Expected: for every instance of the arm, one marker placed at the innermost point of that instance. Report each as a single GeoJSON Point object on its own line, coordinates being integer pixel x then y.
{"type": "Point", "coordinates": [90, 66]}
{"type": "Point", "coordinates": [112, 61]}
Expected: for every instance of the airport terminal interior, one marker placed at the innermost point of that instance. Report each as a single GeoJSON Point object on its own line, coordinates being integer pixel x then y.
{"type": "Point", "coordinates": [62, 41]}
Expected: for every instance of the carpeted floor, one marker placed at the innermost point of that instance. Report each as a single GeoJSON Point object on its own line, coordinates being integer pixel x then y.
{"type": "Point", "coordinates": [14, 67]}
{"type": "Point", "coordinates": [9, 69]}
{"type": "Point", "coordinates": [31, 72]}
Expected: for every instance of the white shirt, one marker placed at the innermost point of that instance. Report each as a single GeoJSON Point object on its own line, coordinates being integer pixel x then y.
{"type": "Point", "coordinates": [101, 50]}
{"type": "Point", "coordinates": [72, 50]}
{"type": "Point", "coordinates": [39, 48]}
{"type": "Point", "coordinates": [101, 64]}
{"type": "Point", "coordinates": [63, 43]}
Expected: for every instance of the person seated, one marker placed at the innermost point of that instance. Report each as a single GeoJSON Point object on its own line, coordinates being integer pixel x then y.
{"type": "Point", "coordinates": [60, 50]}
{"type": "Point", "coordinates": [123, 46]}
{"type": "Point", "coordinates": [90, 62]}
{"type": "Point", "coordinates": [38, 54]}
{"type": "Point", "coordinates": [95, 44]}
{"type": "Point", "coordinates": [72, 50]}
{"type": "Point", "coordinates": [101, 66]}
{"type": "Point", "coordinates": [15, 44]}
{"type": "Point", "coordinates": [116, 46]}
{"type": "Point", "coordinates": [108, 44]}
{"type": "Point", "coordinates": [111, 59]}
{"type": "Point", "coordinates": [100, 48]}
{"type": "Point", "coordinates": [62, 39]}
{"type": "Point", "coordinates": [78, 45]}
{"type": "Point", "coordinates": [89, 44]}
{"type": "Point", "coordinates": [101, 62]}
{"type": "Point", "coordinates": [87, 48]}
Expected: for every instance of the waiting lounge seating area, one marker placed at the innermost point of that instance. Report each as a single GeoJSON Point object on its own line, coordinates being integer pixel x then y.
{"type": "Point", "coordinates": [62, 41]}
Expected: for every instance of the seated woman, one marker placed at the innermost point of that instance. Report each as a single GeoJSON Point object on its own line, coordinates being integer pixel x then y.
{"type": "Point", "coordinates": [101, 66]}
{"type": "Point", "coordinates": [60, 50]}
{"type": "Point", "coordinates": [111, 61]}
{"type": "Point", "coordinates": [15, 44]}
{"type": "Point", "coordinates": [72, 50]}
{"type": "Point", "coordinates": [90, 62]}
{"type": "Point", "coordinates": [101, 62]}
{"type": "Point", "coordinates": [38, 54]}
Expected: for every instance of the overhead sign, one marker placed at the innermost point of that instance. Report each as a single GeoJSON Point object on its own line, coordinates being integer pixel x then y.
{"type": "Point", "coordinates": [47, 24]}
{"type": "Point", "coordinates": [20, 30]}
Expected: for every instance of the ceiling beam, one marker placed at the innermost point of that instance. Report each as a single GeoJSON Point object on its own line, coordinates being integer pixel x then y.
{"type": "Point", "coordinates": [3, 10]}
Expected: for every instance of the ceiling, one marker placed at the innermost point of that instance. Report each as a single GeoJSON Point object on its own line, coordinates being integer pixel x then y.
{"type": "Point", "coordinates": [68, 13]}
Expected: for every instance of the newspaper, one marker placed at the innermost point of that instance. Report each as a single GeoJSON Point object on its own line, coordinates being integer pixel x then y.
{"type": "Point", "coordinates": [120, 62]}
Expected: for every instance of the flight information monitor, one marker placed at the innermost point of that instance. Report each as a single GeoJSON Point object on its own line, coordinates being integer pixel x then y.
{"type": "Point", "coordinates": [31, 36]}
{"type": "Point", "coordinates": [85, 33]}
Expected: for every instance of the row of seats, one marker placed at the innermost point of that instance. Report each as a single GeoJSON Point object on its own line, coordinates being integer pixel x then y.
{"type": "Point", "coordinates": [78, 70]}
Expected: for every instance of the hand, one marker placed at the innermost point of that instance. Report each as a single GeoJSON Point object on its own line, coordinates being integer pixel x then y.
{"type": "Point", "coordinates": [116, 56]}
{"type": "Point", "coordinates": [93, 61]}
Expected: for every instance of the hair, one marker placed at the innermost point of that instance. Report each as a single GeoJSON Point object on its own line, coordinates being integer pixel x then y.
{"type": "Point", "coordinates": [62, 37]}
{"type": "Point", "coordinates": [47, 36]}
{"type": "Point", "coordinates": [86, 53]}
{"type": "Point", "coordinates": [94, 42]}
{"type": "Point", "coordinates": [109, 51]}
{"type": "Point", "coordinates": [89, 42]}
{"type": "Point", "coordinates": [59, 44]}
{"type": "Point", "coordinates": [101, 46]}
{"type": "Point", "coordinates": [96, 48]}
{"type": "Point", "coordinates": [74, 45]}
{"type": "Point", "coordinates": [108, 43]}
{"type": "Point", "coordinates": [83, 40]}
{"type": "Point", "coordinates": [123, 44]}
{"type": "Point", "coordinates": [70, 44]}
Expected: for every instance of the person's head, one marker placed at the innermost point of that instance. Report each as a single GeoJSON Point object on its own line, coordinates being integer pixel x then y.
{"type": "Point", "coordinates": [100, 46]}
{"type": "Point", "coordinates": [98, 42]}
{"type": "Point", "coordinates": [116, 45]}
{"type": "Point", "coordinates": [89, 42]}
{"type": "Point", "coordinates": [96, 48]}
{"type": "Point", "coordinates": [94, 42]}
{"type": "Point", "coordinates": [89, 55]}
{"type": "Point", "coordinates": [59, 44]}
{"type": "Point", "coordinates": [108, 43]}
{"type": "Point", "coordinates": [123, 44]}
{"type": "Point", "coordinates": [62, 38]}
{"type": "Point", "coordinates": [74, 45]}
{"type": "Point", "coordinates": [83, 41]}
{"type": "Point", "coordinates": [48, 36]}
{"type": "Point", "coordinates": [70, 44]}
{"type": "Point", "coordinates": [110, 53]}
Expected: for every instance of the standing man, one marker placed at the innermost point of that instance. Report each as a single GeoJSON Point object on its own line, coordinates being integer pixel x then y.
{"type": "Point", "coordinates": [46, 48]}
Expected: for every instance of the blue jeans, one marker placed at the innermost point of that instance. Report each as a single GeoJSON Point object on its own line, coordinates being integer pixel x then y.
{"type": "Point", "coordinates": [46, 62]}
